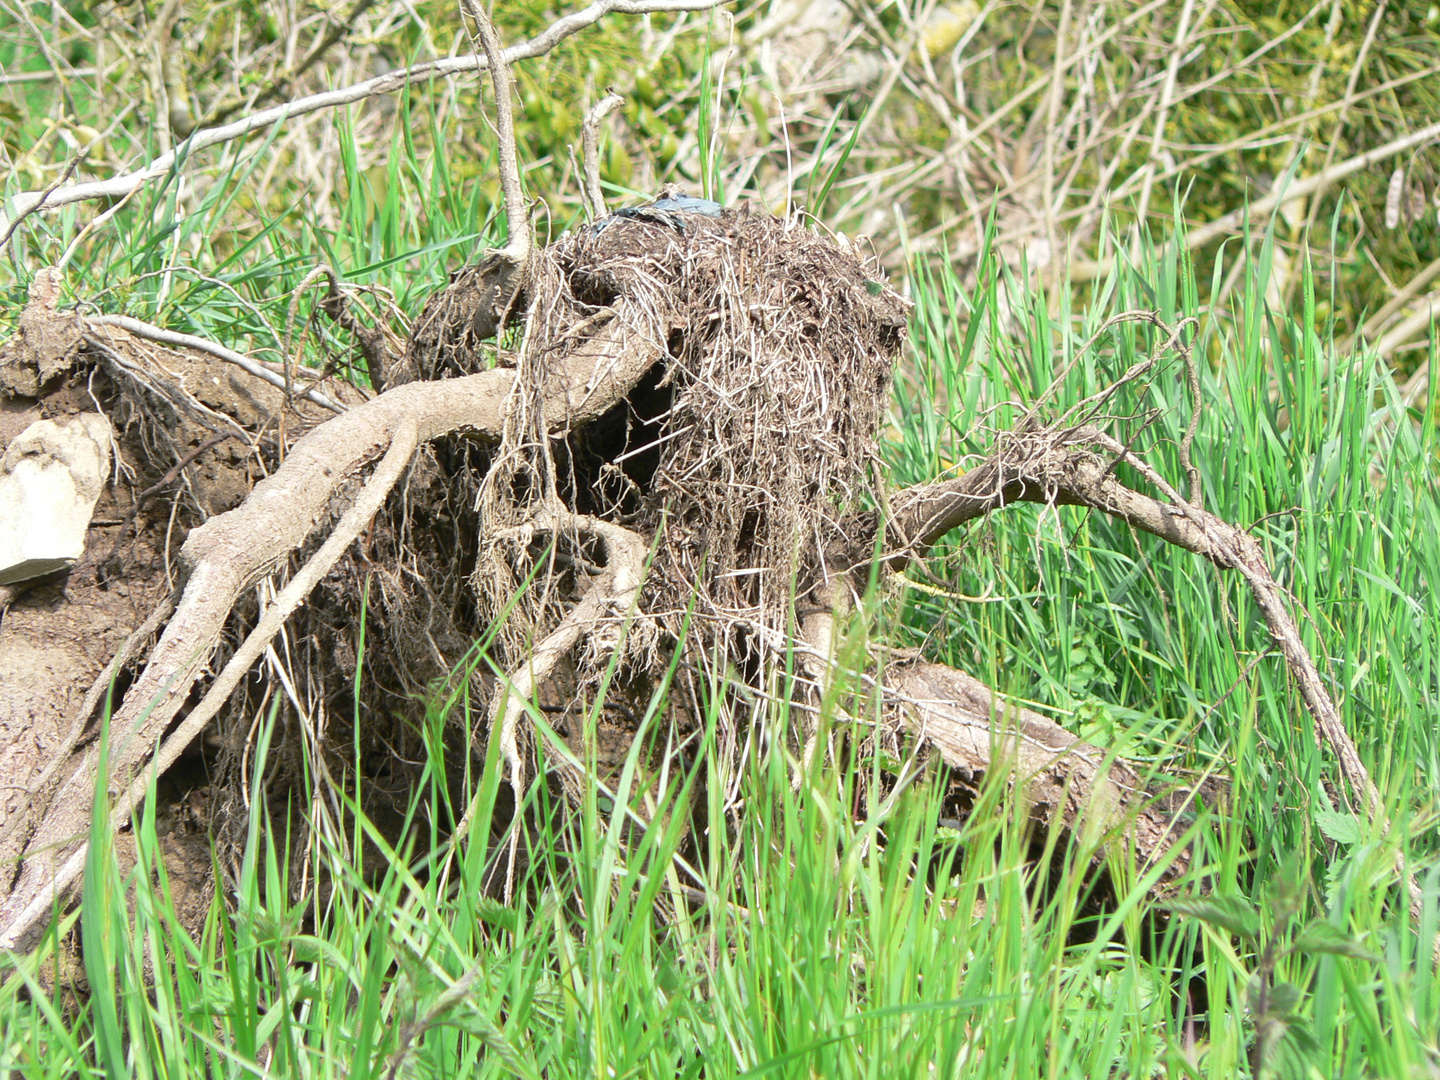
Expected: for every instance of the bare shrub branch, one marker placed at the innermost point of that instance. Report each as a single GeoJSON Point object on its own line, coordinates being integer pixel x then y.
{"type": "Point", "coordinates": [590, 145]}
{"type": "Point", "coordinates": [26, 202]}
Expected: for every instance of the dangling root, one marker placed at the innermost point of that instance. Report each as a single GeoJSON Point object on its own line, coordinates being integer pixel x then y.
{"type": "Point", "coordinates": [598, 618]}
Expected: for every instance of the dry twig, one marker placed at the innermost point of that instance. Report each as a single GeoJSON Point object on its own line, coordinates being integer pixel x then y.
{"type": "Point", "coordinates": [27, 202]}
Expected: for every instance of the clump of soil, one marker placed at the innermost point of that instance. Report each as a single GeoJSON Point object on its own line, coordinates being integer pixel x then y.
{"type": "Point", "coordinates": [747, 442]}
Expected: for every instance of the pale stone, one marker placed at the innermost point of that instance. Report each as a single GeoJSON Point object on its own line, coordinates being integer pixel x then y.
{"type": "Point", "coordinates": [50, 477]}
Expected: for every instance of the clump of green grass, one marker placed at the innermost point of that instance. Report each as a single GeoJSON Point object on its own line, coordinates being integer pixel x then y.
{"type": "Point", "coordinates": [828, 930]}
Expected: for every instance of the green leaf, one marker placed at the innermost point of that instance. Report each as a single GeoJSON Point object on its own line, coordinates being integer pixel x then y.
{"type": "Point", "coordinates": [1324, 937]}
{"type": "Point", "coordinates": [1301, 1039]}
{"type": "Point", "coordinates": [1234, 913]}
{"type": "Point", "coordinates": [1284, 998]}
{"type": "Point", "coordinates": [1342, 828]}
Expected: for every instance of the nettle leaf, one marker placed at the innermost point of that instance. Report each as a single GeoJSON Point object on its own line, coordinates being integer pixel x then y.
{"type": "Point", "coordinates": [1324, 937]}
{"type": "Point", "coordinates": [1234, 913]}
{"type": "Point", "coordinates": [1342, 828]}
{"type": "Point", "coordinates": [1284, 998]}
{"type": "Point", "coordinates": [1299, 1034]}
{"type": "Point", "coordinates": [1280, 1000]}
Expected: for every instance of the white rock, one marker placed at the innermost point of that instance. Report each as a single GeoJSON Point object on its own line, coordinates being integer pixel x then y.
{"type": "Point", "coordinates": [50, 477]}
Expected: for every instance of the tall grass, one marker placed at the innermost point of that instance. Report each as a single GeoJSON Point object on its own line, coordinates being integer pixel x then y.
{"type": "Point", "coordinates": [823, 931]}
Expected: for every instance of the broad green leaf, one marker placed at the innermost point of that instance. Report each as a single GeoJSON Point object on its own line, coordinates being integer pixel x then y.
{"type": "Point", "coordinates": [1324, 937]}
{"type": "Point", "coordinates": [1342, 828]}
{"type": "Point", "coordinates": [1234, 913]}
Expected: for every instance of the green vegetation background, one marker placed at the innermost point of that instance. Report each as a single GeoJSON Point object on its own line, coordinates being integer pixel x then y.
{"type": "Point", "coordinates": [829, 937]}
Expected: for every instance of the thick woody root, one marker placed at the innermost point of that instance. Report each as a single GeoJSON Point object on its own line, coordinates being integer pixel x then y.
{"type": "Point", "coordinates": [232, 551]}
{"type": "Point", "coordinates": [1100, 799]}
{"type": "Point", "coordinates": [191, 434]}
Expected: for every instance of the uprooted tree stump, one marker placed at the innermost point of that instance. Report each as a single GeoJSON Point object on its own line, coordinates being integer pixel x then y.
{"type": "Point", "coordinates": [678, 456]}
{"type": "Point", "coordinates": [673, 471]}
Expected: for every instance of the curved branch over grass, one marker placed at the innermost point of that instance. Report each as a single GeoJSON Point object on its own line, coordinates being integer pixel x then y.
{"type": "Point", "coordinates": [1062, 467]}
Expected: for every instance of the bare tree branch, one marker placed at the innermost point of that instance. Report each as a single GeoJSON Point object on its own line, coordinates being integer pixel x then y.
{"type": "Point", "coordinates": [116, 186]}
{"type": "Point", "coordinates": [1261, 208]}
{"type": "Point", "coordinates": [590, 143]}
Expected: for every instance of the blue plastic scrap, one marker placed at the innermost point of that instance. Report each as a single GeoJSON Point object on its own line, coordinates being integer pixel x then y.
{"type": "Point", "coordinates": [669, 211]}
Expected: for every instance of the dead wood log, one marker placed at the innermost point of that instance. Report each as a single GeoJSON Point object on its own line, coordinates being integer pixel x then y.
{"type": "Point", "coordinates": [1062, 780]}
{"type": "Point", "coordinates": [232, 551]}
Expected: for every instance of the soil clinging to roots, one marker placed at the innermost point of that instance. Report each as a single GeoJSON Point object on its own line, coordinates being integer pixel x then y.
{"type": "Point", "coordinates": [749, 442]}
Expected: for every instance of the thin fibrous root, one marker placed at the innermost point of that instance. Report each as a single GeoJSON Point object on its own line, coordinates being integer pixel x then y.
{"type": "Point", "coordinates": [600, 614]}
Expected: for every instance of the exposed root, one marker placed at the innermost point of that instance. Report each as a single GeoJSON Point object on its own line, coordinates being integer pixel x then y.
{"type": "Point", "coordinates": [1062, 466]}
{"type": "Point", "coordinates": [695, 391]}
{"type": "Point", "coordinates": [291, 597]}
{"type": "Point", "coordinates": [232, 551]}
{"type": "Point", "coordinates": [597, 620]}
{"type": "Point", "coordinates": [190, 341]}
{"type": "Point", "coordinates": [1062, 780]}
{"type": "Point", "coordinates": [591, 195]}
